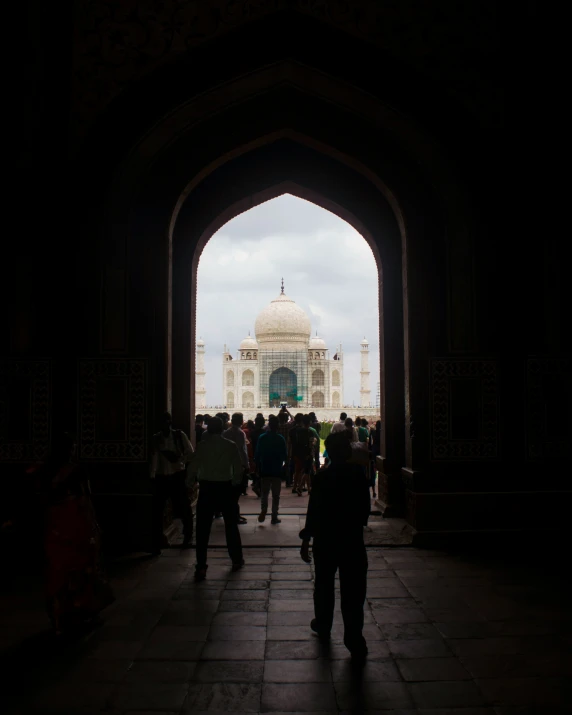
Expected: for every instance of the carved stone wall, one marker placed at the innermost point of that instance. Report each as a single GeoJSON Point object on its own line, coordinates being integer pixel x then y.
{"type": "Point", "coordinates": [464, 409]}
{"type": "Point", "coordinates": [548, 403]}
{"type": "Point", "coordinates": [119, 41]}
{"type": "Point", "coordinates": [113, 410]}
{"type": "Point", "coordinates": [25, 391]}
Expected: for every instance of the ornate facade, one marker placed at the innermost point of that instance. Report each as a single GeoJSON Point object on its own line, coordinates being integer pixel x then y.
{"type": "Point", "coordinates": [283, 363]}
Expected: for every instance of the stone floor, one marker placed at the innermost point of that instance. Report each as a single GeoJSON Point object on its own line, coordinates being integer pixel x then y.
{"type": "Point", "coordinates": [379, 531]}
{"type": "Point", "coordinates": [448, 635]}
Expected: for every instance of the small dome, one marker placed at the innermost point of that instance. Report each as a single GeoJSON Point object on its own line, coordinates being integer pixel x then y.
{"type": "Point", "coordinates": [200, 343]}
{"type": "Point", "coordinates": [317, 343]}
{"type": "Point", "coordinates": [248, 343]}
{"type": "Point", "coordinates": [364, 342]}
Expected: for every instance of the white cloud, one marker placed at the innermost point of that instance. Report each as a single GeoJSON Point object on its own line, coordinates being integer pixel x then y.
{"type": "Point", "coordinates": [328, 269]}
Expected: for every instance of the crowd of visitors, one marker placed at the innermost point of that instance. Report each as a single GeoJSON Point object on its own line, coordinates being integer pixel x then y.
{"type": "Point", "coordinates": [229, 455]}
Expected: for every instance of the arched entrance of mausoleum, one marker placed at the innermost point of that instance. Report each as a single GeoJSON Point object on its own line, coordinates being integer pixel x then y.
{"type": "Point", "coordinates": [294, 130]}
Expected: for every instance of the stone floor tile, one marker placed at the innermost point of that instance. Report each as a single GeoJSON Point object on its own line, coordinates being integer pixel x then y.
{"type": "Point", "coordinates": [237, 633]}
{"type": "Point", "coordinates": [243, 606]}
{"type": "Point", "coordinates": [297, 671]}
{"type": "Point", "coordinates": [281, 585]}
{"type": "Point", "coordinates": [247, 585]}
{"type": "Point", "coordinates": [377, 650]}
{"type": "Point", "coordinates": [372, 671]}
{"type": "Point", "coordinates": [291, 576]}
{"type": "Point", "coordinates": [247, 575]}
{"type": "Point", "coordinates": [457, 711]}
{"type": "Point", "coordinates": [233, 650]}
{"type": "Point", "coordinates": [302, 604]}
{"type": "Point", "coordinates": [228, 697]}
{"type": "Point", "coordinates": [159, 671]}
{"type": "Point", "coordinates": [424, 669]}
{"type": "Point", "coordinates": [298, 697]}
{"type": "Point", "coordinates": [287, 594]}
{"type": "Point", "coordinates": [290, 618]}
{"type": "Point", "coordinates": [454, 615]}
{"type": "Point", "coordinates": [141, 696]}
{"type": "Point", "coordinates": [116, 650]}
{"type": "Point", "coordinates": [244, 594]}
{"type": "Point", "coordinates": [294, 650]}
{"type": "Point", "coordinates": [424, 648]}
{"type": "Point", "coordinates": [463, 629]}
{"type": "Point", "coordinates": [366, 696]}
{"type": "Point", "coordinates": [289, 633]}
{"type": "Point", "coordinates": [486, 646]}
{"type": "Point", "coordinates": [397, 615]}
{"type": "Point", "coordinates": [236, 618]}
{"type": "Point", "coordinates": [409, 631]}
{"type": "Point", "coordinates": [91, 670]}
{"type": "Point", "coordinates": [541, 693]}
{"type": "Point", "coordinates": [446, 694]}
{"type": "Point", "coordinates": [186, 618]}
{"type": "Point", "coordinates": [206, 606]}
{"type": "Point", "coordinates": [290, 568]}
{"type": "Point", "coordinates": [206, 594]}
{"type": "Point", "coordinates": [166, 650]}
{"type": "Point", "coordinates": [177, 634]}
{"type": "Point", "coordinates": [229, 671]}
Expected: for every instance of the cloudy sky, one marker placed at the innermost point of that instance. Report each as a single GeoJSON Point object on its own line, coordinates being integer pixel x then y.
{"type": "Point", "coordinates": [328, 269]}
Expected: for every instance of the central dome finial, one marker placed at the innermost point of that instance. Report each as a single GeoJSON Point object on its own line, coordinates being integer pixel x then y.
{"type": "Point", "coordinates": [282, 291]}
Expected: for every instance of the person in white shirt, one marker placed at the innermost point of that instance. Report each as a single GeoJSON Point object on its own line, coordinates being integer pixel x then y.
{"type": "Point", "coordinates": [171, 453]}
{"type": "Point", "coordinates": [218, 468]}
{"type": "Point", "coordinates": [341, 425]}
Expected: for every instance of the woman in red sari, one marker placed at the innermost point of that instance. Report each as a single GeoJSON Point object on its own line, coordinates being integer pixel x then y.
{"type": "Point", "coordinates": [76, 588]}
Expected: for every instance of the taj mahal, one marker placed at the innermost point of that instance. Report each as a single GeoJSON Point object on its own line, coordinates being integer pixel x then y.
{"type": "Point", "coordinates": [283, 364]}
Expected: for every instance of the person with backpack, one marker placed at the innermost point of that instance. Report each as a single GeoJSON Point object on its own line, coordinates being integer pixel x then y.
{"type": "Point", "coordinates": [304, 440]}
{"type": "Point", "coordinates": [171, 453]}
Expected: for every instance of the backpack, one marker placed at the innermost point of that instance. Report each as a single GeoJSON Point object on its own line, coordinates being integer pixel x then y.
{"type": "Point", "coordinates": [301, 443]}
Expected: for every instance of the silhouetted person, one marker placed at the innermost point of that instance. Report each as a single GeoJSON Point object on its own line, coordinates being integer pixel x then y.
{"type": "Point", "coordinates": [218, 467]}
{"type": "Point", "coordinates": [316, 425]}
{"type": "Point", "coordinates": [235, 434]}
{"type": "Point", "coordinates": [199, 429]}
{"type": "Point", "coordinates": [341, 425]}
{"type": "Point", "coordinates": [271, 454]}
{"type": "Point", "coordinates": [172, 451]}
{"type": "Point", "coordinates": [338, 510]}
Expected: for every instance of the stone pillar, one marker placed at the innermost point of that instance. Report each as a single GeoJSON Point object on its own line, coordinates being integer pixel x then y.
{"type": "Point", "coordinates": [200, 390]}
{"type": "Point", "coordinates": [364, 392]}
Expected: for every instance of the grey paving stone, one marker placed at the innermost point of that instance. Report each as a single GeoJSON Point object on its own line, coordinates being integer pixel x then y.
{"type": "Point", "coordinates": [424, 669]}
{"type": "Point", "coordinates": [244, 595]}
{"type": "Point", "coordinates": [140, 696]}
{"type": "Point", "coordinates": [409, 631]}
{"type": "Point", "coordinates": [206, 606]}
{"type": "Point", "coordinates": [397, 615]}
{"type": "Point", "coordinates": [236, 618]}
{"type": "Point", "coordinates": [188, 594]}
{"type": "Point", "coordinates": [366, 696]}
{"type": "Point", "coordinates": [296, 576]}
{"type": "Point", "coordinates": [290, 568]}
{"type": "Point", "coordinates": [378, 650]}
{"type": "Point", "coordinates": [159, 671]}
{"type": "Point", "coordinates": [175, 634]}
{"type": "Point", "coordinates": [237, 633]}
{"type": "Point", "coordinates": [371, 671]}
{"type": "Point", "coordinates": [462, 629]}
{"type": "Point", "coordinates": [285, 605]}
{"type": "Point", "coordinates": [425, 648]}
{"type": "Point", "coordinates": [166, 650]}
{"type": "Point", "coordinates": [229, 671]}
{"type": "Point", "coordinates": [228, 697]}
{"type": "Point", "coordinates": [233, 650]}
{"type": "Point", "coordinates": [294, 650]}
{"type": "Point", "coordinates": [282, 585]}
{"type": "Point", "coordinates": [243, 606]}
{"type": "Point", "coordinates": [297, 671]}
{"type": "Point", "coordinates": [290, 618]}
{"type": "Point", "coordinates": [250, 585]}
{"type": "Point", "coordinates": [295, 594]}
{"type": "Point", "coordinates": [298, 697]}
{"type": "Point", "coordinates": [247, 575]}
{"type": "Point", "coordinates": [446, 694]}
{"type": "Point", "coordinates": [186, 618]}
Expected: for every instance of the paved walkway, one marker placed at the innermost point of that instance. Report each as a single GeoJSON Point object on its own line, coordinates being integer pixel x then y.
{"type": "Point", "coordinates": [448, 635]}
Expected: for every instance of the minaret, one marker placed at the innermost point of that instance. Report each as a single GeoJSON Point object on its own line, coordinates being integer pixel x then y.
{"type": "Point", "coordinates": [364, 391]}
{"type": "Point", "coordinates": [200, 390]}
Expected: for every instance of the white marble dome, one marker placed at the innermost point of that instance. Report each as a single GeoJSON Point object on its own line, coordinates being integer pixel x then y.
{"type": "Point", "coordinates": [283, 325]}
{"type": "Point", "coordinates": [200, 343]}
{"type": "Point", "coordinates": [249, 343]}
{"type": "Point", "coordinates": [317, 343]}
{"type": "Point", "coordinates": [364, 342]}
